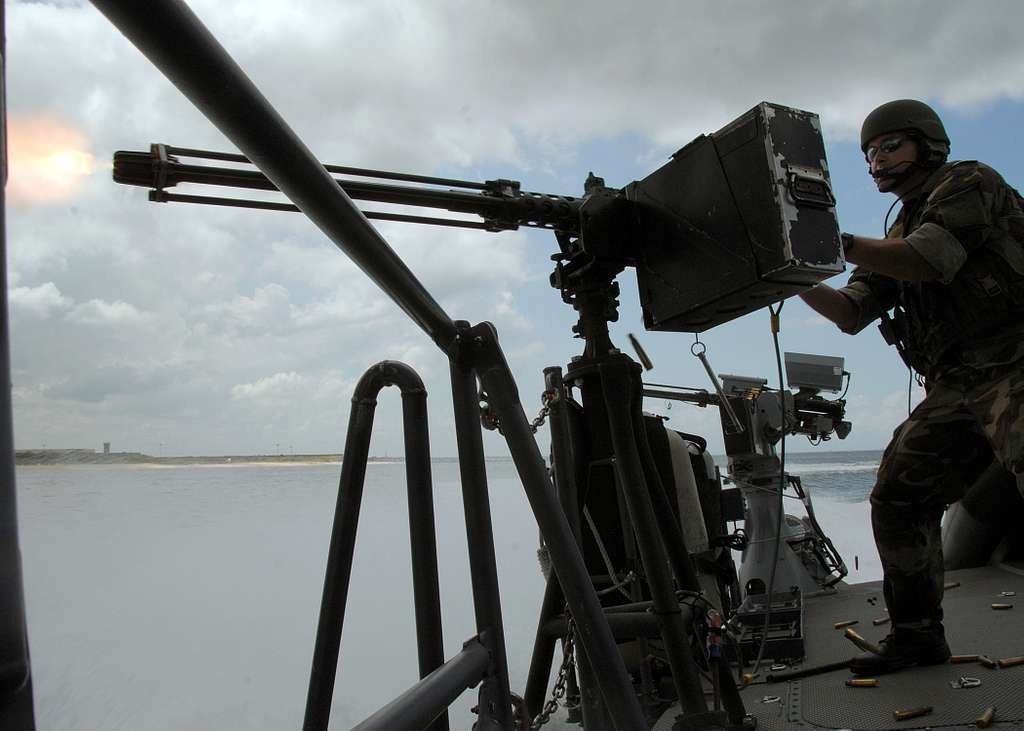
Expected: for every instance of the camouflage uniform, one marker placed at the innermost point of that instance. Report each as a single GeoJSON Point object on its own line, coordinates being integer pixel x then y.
{"type": "Point", "coordinates": [965, 333]}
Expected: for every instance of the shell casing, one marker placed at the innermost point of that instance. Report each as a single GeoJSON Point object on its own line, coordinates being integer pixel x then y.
{"type": "Point", "coordinates": [986, 717]}
{"type": "Point", "coordinates": [862, 682]}
{"type": "Point", "coordinates": [963, 658]}
{"type": "Point", "coordinates": [1000, 605]}
{"type": "Point", "coordinates": [951, 585]}
{"type": "Point", "coordinates": [747, 678]}
{"type": "Point", "coordinates": [845, 623]}
{"type": "Point", "coordinates": [988, 662]}
{"type": "Point", "coordinates": [880, 621]}
{"type": "Point", "coordinates": [1009, 662]}
{"type": "Point", "coordinates": [853, 636]}
{"type": "Point", "coordinates": [912, 713]}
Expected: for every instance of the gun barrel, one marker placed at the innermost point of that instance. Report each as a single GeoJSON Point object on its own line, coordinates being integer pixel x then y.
{"type": "Point", "coordinates": [500, 202]}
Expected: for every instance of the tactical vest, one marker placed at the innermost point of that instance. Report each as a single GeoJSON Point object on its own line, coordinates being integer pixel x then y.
{"type": "Point", "coordinates": [937, 323]}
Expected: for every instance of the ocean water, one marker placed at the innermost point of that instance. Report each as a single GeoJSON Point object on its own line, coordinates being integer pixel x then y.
{"type": "Point", "coordinates": [187, 597]}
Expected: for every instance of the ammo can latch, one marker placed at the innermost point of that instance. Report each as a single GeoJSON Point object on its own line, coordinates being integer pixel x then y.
{"type": "Point", "coordinates": [810, 187]}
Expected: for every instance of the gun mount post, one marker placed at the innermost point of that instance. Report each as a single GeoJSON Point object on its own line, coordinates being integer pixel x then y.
{"type": "Point", "coordinates": [594, 634]}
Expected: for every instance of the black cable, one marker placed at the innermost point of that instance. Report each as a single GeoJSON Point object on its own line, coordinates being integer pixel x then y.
{"type": "Point", "coordinates": [899, 199]}
{"type": "Point", "coordinates": [885, 234]}
{"type": "Point", "coordinates": [910, 388]}
{"type": "Point", "coordinates": [885, 224]}
{"type": "Point", "coordinates": [849, 378]}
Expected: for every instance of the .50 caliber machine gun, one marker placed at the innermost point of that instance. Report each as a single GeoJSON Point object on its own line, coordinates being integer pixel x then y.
{"type": "Point", "coordinates": [737, 220]}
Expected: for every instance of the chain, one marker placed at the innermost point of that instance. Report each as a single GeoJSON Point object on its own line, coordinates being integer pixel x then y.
{"type": "Point", "coordinates": [489, 420]}
{"type": "Point", "coordinates": [546, 398]}
{"type": "Point", "coordinates": [558, 691]}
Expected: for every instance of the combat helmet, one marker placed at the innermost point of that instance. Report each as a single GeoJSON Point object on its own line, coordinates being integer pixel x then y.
{"type": "Point", "coordinates": [912, 116]}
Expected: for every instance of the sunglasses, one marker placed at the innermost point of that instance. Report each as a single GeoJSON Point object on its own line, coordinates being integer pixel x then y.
{"type": "Point", "coordinates": [887, 146]}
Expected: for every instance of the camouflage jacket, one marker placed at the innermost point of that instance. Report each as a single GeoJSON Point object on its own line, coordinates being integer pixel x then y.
{"type": "Point", "coordinates": [968, 223]}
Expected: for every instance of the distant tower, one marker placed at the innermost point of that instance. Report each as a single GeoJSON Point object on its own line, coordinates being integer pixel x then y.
{"type": "Point", "coordinates": [106, 447]}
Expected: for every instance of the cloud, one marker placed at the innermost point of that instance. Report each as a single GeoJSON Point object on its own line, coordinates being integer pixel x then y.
{"type": "Point", "coordinates": [179, 324]}
{"type": "Point", "coordinates": [98, 312]}
{"type": "Point", "coordinates": [40, 301]}
{"type": "Point", "coordinates": [330, 385]}
{"type": "Point", "coordinates": [494, 81]}
{"type": "Point", "coordinates": [271, 387]}
{"type": "Point", "coordinates": [268, 309]}
{"type": "Point", "coordinates": [874, 417]}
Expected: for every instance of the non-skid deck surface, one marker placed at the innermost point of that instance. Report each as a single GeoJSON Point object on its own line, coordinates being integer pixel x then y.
{"type": "Point", "coordinates": [972, 627]}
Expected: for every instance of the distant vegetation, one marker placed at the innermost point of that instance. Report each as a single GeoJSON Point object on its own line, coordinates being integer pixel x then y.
{"type": "Point", "coordinates": [91, 456]}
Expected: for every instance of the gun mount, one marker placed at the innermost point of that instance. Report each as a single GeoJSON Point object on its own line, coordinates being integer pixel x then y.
{"type": "Point", "coordinates": [736, 220]}
{"type": "Point", "coordinates": [764, 416]}
{"type": "Point", "coordinates": [784, 557]}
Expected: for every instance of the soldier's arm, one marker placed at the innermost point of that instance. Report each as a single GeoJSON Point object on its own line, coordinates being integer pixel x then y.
{"type": "Point", "coordinates": [831, 305]}
{"type": "Point", "coordinates": [892, 257]}
{"type": "Point", "coordinates": [853, 307]}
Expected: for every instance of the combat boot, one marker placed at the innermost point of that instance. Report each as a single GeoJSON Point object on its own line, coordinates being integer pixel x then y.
{"type": "Point", "coordinates": [904, 648]}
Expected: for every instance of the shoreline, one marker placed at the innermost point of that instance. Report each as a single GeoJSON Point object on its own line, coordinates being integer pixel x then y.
{"type": "Point", "coordinates": [92, 458]}
{"type": "Point", "coordinates": [71, 457]}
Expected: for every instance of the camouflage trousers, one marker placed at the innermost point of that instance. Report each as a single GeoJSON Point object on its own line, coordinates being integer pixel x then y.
{"type": "Point", "coordinates": [967, 419]}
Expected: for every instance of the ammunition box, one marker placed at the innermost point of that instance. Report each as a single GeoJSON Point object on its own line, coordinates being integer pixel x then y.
{"type": "Point", "coordinates": [738, 220]}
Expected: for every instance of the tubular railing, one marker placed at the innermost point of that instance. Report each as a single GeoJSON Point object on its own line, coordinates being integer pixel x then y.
{"type": "Point", "coordinates": [428, 701]}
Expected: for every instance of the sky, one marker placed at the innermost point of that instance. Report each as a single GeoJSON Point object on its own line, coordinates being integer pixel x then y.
{"type": "Point", "coordinates": [174, 329]}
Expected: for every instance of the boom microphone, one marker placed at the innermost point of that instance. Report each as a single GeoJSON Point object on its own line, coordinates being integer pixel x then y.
{"type": "Point", "coordinates": [894, 170]}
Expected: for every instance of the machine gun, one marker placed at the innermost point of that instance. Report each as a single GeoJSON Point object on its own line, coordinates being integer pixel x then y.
{"type": "Point", "coordinates": [754, 420]}
{"type": "Point", "coordinates": [784, 557]}
{"type": "Point", "coordinates": [738, 219]}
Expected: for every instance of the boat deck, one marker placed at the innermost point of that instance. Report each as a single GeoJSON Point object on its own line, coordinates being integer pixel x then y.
{"type": "Point", "coordinates": [972, 627]}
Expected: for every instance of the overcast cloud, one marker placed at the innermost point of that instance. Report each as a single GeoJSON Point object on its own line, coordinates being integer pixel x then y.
{"type": "Point", "coordinates": [165, 327]}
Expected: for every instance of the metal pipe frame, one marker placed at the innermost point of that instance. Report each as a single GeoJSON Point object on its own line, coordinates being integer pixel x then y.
{"type": "Point", "coordinates": [417, 707]}
{"type": "Point", "coordinates": [563, 463]}
{"type": "Point", "coordinates": [480, 347]}
{"type": "Point", "coordinates": [16, 710]}
{"type": "Point", "coordinates": [423, 543]}
{"type": "Point", "coordinates": [615, 373]}
{"type": "Point", "coordinates": [565, 484]}
{"type": "Point", "coordinates": [495, 702]}
{"type": "Point", "coordinates": [624, 625]}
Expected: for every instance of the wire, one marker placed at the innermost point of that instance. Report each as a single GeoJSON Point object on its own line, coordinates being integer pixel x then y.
{"type": "Point", "coordinates": [885, 225]}
{"type": "Point", "coordinates": [609, 567]}
{"type": "Point", "coordinates": [910, 388]}
{"type": "Point", "coordinates": [782, 484]}
{"type": "Point", "coordinates": [899, 199]}
{"type": "Point", "coordinates": [849, 378]}
{"type": "Point", "coordinates": [885, 234]}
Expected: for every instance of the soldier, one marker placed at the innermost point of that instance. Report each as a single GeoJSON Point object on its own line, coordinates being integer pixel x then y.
{"type": "Point", "coordinates": [951, 269]}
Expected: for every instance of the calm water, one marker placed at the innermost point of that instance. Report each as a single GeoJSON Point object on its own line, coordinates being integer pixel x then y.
{"type": "Point", "coordinates": [187, 597]}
